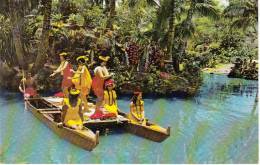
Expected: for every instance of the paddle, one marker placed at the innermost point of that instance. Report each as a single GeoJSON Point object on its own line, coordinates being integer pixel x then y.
{"type": "Point", "coordinates": [25, 105]}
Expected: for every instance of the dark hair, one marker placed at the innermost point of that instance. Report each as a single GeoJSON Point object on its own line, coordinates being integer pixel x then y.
{"type": "Point", "coordinates": [66, 58]}
{"type": "Point", "coordinates": [73, 98]}
{"type": "Point", "coordinates": [113, 101]}
{"type": "Point", "coordinates": [134, 99]}
{"type": "Point", "coordinates": [99, 62]}
{"type": "Point", "coordinates": [81, 61]}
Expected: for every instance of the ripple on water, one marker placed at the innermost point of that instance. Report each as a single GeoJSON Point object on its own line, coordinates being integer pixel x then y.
{"type": "Point", "coordinates": [218, 125]}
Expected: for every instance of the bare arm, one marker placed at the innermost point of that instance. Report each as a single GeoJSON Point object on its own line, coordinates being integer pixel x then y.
{"type": "Point", "coordinates": [133, 113]}
{"type": "Point", "coordinates": [100, 73]}
{"type": "Point", "coordinates": [81, 71]}
{"type": "Point", "coordinates": [90, 65]}
{"type": "Point", "coordinates": [142, 112]}
{"type": "Point", "coordinates": [115, 98]}
{"type": "Point", "coordinates": [63, 112]}
{"type": "Point", "coordinates": [21, 88]}
{"type": "Point", "coordinates": [60, 68]}
{"type": "Point", "coordinates": [21, 85]}
{"type": "Point", "coordinates": [81, 112]}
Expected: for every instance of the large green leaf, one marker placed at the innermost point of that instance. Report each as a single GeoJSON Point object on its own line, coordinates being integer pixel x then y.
{"type": "Point", "coordinates": [207, 10]}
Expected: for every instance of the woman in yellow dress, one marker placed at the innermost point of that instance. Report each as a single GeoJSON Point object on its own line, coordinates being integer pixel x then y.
{"type": "Point", "coordinates": [136, 114]}
{"type": "Point", "coordinates": [110, 97]}
{"type": "Point", "coordinates": [82, 80]}
{"type": "Point", "coordinates": [72, 110]}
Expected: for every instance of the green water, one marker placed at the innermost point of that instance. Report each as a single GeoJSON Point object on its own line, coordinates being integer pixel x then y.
{"type": "Point", "coordinates": [218, 125]}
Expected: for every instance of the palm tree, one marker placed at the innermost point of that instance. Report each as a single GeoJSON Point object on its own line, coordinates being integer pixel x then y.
{"type": "Point", "coordinates": [171, 27]}
{"type": "Point", "coordinates": [243, 13]}
{"type": "Point", "coordinates": [99, 2]}
{"type": "Point", "coordinates": [17, 22]}
{"type": "Point", "coordinates": [186, 28]}
{"type": "Point", "coordinates": [133, 3]}
{"type": "Point", "coordinates": [44, 43]}
{"type": "Point", "coordinates": [168, 13]}
{"type": "Point", "coordinates": [112, 13]}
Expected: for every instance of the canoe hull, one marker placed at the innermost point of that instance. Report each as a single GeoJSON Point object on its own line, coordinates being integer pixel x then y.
{"type": "Point", "coordinates": [85, 139]}
{"type": "Point", "coordinates": [146, 131]}
{"type": "Point", "coordinates": [136, 129]}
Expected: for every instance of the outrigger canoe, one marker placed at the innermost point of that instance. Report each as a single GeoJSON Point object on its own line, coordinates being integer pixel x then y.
{"type": "Point", "coordinates": [49, 114]}
{"type": "Point", "coordinates": [149, 131]}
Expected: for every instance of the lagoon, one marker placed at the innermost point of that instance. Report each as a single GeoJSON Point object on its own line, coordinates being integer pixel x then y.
{"type": "Point", "coordinates": [218, 125]}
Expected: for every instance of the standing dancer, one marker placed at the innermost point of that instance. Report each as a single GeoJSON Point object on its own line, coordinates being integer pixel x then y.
{"type": "Point", "coordinates": [65, 70]}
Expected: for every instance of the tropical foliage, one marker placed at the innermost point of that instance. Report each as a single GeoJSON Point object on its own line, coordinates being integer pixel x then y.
{"type": "Point", "coordinates": [167, 40]}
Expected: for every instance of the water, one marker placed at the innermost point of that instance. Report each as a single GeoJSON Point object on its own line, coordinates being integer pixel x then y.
{"type": "Point", "coordinates": [219, 125]}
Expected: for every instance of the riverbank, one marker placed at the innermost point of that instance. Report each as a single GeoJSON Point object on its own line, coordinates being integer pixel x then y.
{"type": "Point", "coordinates": [219, 69]}
{"type": "Point", "coordinates": [153, 83]}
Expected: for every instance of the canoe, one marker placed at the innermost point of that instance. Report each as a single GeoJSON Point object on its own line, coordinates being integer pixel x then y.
{"type": "Point", "coordinates": [49, 114]}
{"type": "Point", "coordinates": [93, 124]}
{"type": "Point", "coordinates": [149, 131]}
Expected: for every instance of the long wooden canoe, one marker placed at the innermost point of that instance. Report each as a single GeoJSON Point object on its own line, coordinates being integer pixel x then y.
{"type": "Point", "coordinates": [149, 131]}
{"type": "Point", "coordinates": [49, 114]}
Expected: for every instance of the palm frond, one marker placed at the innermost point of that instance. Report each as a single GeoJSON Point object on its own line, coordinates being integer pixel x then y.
{"type": "Point", "coordinates": [184, 29]}
{"type": "Point", "coordinates": [154, 3]}
{"type": "Point", "coordinates": [244, 12]}
{"type": "Point", "coordinates": [234, 10]}
{"type": "Point", "coordinates": [132, 3]}
{"type": "Point", "coordinates": [244, 23]}
{"type": "Point", "coordinates": [56, 17]}
{"type": "Point", "coordinates": [207, 10]}
{"type": "Point", "coordinates": [241, 8]}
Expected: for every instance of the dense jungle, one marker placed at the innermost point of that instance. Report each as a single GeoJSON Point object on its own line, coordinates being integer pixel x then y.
{"type": "Point", "coordinates": [161, 46]}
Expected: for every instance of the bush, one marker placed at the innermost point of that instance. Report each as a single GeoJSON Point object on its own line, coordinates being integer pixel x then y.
{"type": "Point", "coordinates": [231, 41]}
{"type": "Point", "coordinates": [228, 55]}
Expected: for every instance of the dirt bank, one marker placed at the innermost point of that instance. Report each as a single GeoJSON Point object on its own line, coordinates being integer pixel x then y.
{"type": "Point", "coordinates": [219, 69]}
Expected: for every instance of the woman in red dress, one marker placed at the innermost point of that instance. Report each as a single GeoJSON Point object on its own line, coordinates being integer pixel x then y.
{"type": "Point", "coordinates": [65, 70]}
{"type": "Point", "coordinates": [101, 74]}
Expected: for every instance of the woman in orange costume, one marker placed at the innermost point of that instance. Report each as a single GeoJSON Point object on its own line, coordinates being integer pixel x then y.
{"type": "Point", "coordinates": [65, 70]}
{"type": "Point", "coordinates": [101, 74]}
{"type": "Point", "coordinates": [82, 79]}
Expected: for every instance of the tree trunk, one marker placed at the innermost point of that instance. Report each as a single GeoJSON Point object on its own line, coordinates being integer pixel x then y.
{"type": "Point", "coordinates": [107, 7]}
{"type": "Point", "coordinates": [17, 22]}
{"type": "Point", "coordinates": [171, 35]}
{"type": "Point", "coordinates": [112, 13]}
{"type": "Point", "coordinates": [183, 42]}
{"type": "Point", "coordinates": [99, 3]}
{"type": "Point", "coordinates": [44, 43]}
